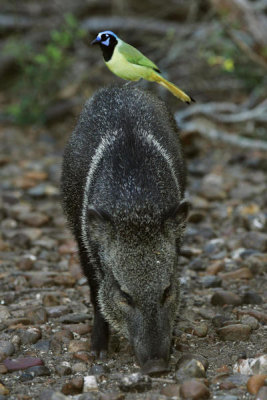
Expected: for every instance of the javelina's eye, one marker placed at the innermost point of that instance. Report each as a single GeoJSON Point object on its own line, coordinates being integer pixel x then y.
{"type": "Point", "coordinates": [166, 294]}
{"type": "Point", "coordinates": [128, 299]}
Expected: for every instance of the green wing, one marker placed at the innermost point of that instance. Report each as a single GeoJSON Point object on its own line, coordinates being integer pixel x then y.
{"type": "Point", "coordinates": [135, 56]}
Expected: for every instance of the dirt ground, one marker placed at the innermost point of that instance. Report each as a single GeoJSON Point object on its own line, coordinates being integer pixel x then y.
{"type": "Point", "coordinates": [45, 310]}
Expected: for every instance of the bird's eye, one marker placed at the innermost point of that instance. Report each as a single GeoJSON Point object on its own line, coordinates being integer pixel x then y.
{"type": "Point", "coordinates": [166, 294]}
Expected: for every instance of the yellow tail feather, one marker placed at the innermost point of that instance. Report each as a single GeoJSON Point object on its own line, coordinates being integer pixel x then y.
{"type": "Point", "coordinates": [172, 88]}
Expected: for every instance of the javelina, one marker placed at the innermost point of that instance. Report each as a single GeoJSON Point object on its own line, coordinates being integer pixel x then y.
{"type": "Point", "coordinates": [123, 184]}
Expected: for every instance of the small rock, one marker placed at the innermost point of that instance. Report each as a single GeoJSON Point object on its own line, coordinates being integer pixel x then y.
{"type": "Point", "coordinates": [74, 386]}
{"type": "Point", "coordinates": [194, 390]}
{"type": "Point", "coordinates": [6, 349]}
{"type": "Point", "coordinates": [262, 393]}
{"type": "Point", "coordinates": [222, 297]}
{"type": "Point", "coordinates": [251, 321]}
{"type": "Point", "coordinates": [49, 394]}
{"type": "Point", "coordinates": [79, 367]}
{"type": "Point", "coordinates": [242, 273]}
{"type": "Point", "coordinates": [32, 372]}
{"type": "Point", "coordinates": [3, 369]}
{"type": "Point", "coordinates": [22, 363]}
{"type": "Point", "coordinates": [211, 281]}
{"type": "Point", "coordinates": [260, 316]}
{"type": "Point", "coordinates": [84, 356]}
{"type": "Point", "coordinates": [219, 320]}
{"type": "Point", "coordinates": [215, 267]}
{"type": "Point", "coordinates": [74, 318]}
{"type": "Point", "coordinates": [91, 396]}
{"type": "Point", "coordinates": [38, 315]}
{"type": "Point", "coordinates": [107, 396]}
{"type": "Point", "coordinates": [252, 366]}
{"type": "Point", "coordinates": [43, 346]}
{"type": "Point", "coordinates": [4, 314]}
{"type": "Point", "coordinates": [57, 311]}
{"type": "Point", "coordinates": [255, 240]}
{"type": "Point", "coordinates": [171, 390]}
{"type": "Point", "coordinates": [255, 382]}
{"type": "Point", "coordinates": [26, 262]}
{"type": "Point", "coordinates": [79, 345]}
{"type": "Point", "coordinates": [99, 369]}
{"type": "Point", "coordinates": [90, 383]}
{"type": "Point", "coordinates": [200, 329]}
{"type": "Point", "coordinates": [63, 369]}
{"type": "Point", "coordinates": [30, 336]}
{"type": "Point", "coordinates": [191, 369]}
{"type": "Point", "coordinates": [189, 356]}
{"type": "Point", "coordinates": [197, 264]}
{"type": "Point", "coordinates": [135, 383]}
{"type": "Point", "coordinates": [251, 297]}
{"type": "Point", "coordinates": [3, 390]}
{"type": "Point", "coordinates": [227, 385]}
{"type": "Point", "coordinates": [34, 219]}
{"type": "Point", "coordinates": [234, 332]}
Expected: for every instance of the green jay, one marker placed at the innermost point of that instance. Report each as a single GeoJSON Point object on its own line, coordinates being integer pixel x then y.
{"type": "Point", "coordinates": [129, 63]}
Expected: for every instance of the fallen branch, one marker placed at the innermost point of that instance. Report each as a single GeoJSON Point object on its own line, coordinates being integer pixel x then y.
{"type": "Point", "coordinates": [207, 130]}
{"type": "Point", "coordinates": [214, 111]}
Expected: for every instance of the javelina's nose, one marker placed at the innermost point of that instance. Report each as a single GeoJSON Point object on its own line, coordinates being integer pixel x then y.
{"type": "Point", "coordinates": [155, 367]}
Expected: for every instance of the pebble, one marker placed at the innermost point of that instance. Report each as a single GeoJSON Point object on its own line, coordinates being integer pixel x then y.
{"type": "Point", "coordinates": [74, 386]}
{"type": "Point", "coordinates": [38, 315]}
{"type": "Point", "coordinates": [194, 390]}
{"type": "Point", "coordinates": [3, 390]}
{"type": "Point", "coordinates": [234, 332]}
{"type": "Point", "coordinates": [201, 329]}
{"type": "Point", "coordinates": [242, 273]}
{"type": "Point", "coordinates": [34, 219]}
{"type": "Point", "coordinates": [74, 318]}
{"type": "Point", "coordinates": [108, 395]}
{"type": "Point", "coordinates": [4, 314]}
{"type": "Point", "coordinates": [3, 369]}
{"type": "Point", "coordinates": [215, 267]}
{"type": "Point", "coordinates": [22, 363]}
{"type": "Point", "coordinates": [252, 366]}
{"type": "Point", "coordinates": [26, 262]}
{"type": "Point", "coordinates": [262, 393]}
{"type": "Point", "coordinates": [49, 394]}
{"type": "Point", "coordinates": [30, 336]}
{"type": "Point", "coordinates": [90, 383]}
{"type": "Point", "coordinates": [211, 281]}
{"type": "Point", "coordinates": [251, 297]}
{"type": "Point", "coordinates": [191, 369]}
{"type": "Point", "coordinates": [135, 383]}
{"type": "Point", "coordinates": [214, 246]}
{"type": "Point", "coordinates": [197, 264]}
{"type": "Point", "coordinates": [255, 382]}
{"type": "Point", "coordinates": [171, 390]}
{"type": "Point", "coordinates": [6, 349]}
{"type": "Point", "coordinates": [32, 372]}
{"type": "Point", "coordinates": [63, 369]}
{"type": "Point", "coordinates": [255, 240]}
{"type": "Point", "coordinates": [251, 321]}
{"type": "Point", "coordinates": [99, 369]}
{"type": "Point", "coordinates": [222, 297]}
{"type": "Point", "coordinates": [79, 367]}
{"type": "Point", "coordinates": [79, 345]}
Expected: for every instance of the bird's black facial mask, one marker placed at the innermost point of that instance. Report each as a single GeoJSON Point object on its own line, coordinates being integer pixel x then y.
{"type": "Point", "coordinates": [107, 43]}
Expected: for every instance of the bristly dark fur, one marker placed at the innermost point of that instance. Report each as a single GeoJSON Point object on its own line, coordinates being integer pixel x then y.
{"type": "Point", "coordinates": [123, 183]}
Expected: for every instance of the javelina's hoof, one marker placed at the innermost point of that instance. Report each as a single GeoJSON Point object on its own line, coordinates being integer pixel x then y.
{"type": "Point", "coordinates": [155, 367]}
{"type": "Point", "coordinates": [99, 355]}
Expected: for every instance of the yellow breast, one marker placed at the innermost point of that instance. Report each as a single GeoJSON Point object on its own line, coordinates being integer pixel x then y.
{"type": "Point", "coordinates": [119, 65]}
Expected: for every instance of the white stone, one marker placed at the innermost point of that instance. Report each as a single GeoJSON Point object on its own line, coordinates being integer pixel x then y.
{"type": "Point", "coordinates": [90, 383]}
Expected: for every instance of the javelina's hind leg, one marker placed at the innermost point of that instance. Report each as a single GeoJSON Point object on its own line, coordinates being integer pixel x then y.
{"type": "Point", "coordinates": [100, 332]}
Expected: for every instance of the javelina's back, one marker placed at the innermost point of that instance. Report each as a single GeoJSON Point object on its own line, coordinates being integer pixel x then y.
{"type": "Point", "coordinates": [123, 182]}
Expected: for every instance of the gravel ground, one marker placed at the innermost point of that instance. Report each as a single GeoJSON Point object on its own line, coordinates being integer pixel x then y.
{"type": "Point", "coordinates": [220, 339]}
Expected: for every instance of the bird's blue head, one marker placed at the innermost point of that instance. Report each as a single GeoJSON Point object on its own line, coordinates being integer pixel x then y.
{"type": "Point", "coordinates": [106, 38]}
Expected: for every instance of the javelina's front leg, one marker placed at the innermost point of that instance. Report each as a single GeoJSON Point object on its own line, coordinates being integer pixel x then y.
{"type": "Point", "coordinates": [100, 332]}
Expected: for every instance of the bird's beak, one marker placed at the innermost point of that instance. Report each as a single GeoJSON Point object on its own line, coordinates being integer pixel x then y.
{"type": "Point", "coordinates": [95, 41]}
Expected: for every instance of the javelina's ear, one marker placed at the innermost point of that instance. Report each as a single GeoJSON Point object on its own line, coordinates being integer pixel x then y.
{"type": "Point", "coordinates": [99, 222]}
{"type": "Point", "coordinates": [179, 213]}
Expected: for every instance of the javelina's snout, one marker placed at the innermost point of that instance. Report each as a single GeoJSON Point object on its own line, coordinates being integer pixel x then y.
{"type": "Point", "coordinates": [151, 343]}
